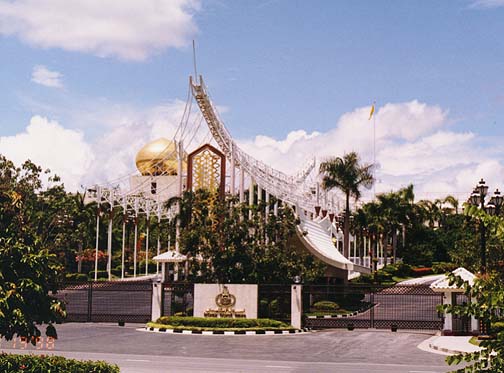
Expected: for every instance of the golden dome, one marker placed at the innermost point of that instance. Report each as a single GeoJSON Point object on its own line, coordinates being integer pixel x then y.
{"type": "Point", "coordinates": [158, 157]}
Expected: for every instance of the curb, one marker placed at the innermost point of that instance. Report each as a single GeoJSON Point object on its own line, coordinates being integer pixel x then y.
{"type": "Point", "coordinates": [334, 316]}
{"type": "Point", "coordinates": [446, 350]}
{"type": "Point", "coordinates": [223, 332]}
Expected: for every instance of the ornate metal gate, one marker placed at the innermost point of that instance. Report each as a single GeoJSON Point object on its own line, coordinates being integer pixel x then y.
{"type": "Point", "coordinates": [111, 301]}
{"type": "Point", "coordinates": [402, 307]}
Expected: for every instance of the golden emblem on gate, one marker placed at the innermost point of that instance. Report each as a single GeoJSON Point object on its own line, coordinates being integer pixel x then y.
{"type": "Point", "coordinates": [225, 300]}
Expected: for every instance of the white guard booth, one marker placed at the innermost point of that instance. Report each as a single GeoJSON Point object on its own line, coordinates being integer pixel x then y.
{"type": "Point", "coordinates": [170, 256]}
{"type": "Point", "coordinates": [450, 293]}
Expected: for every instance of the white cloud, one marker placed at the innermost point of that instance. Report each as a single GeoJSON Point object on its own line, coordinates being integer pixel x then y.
{"type": "Point", "coordinates": [413, 145]}
{"type": "Point", "coordinates": [487, 4]}
{"type": "Point", "coordinates": [128, 29]}
{"type": "Point", "coordinates": [43, 76]}
{"type": "Point", "coordinates": [437, 160]}
{"type": "Point", "coordinates": [125, 134]}
{"type": "Point", "coordinates": [49, 145]}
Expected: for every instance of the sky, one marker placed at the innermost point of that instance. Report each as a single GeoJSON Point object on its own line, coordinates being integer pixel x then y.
{"type": "Point", "coordinates": [86, 83]}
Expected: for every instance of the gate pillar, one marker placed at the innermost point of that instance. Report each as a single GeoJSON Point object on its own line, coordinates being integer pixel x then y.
{"type": "Point", "coordinates": [157, 299]}
{"type": "Point", "coordinates": [296, 305]}
{"type": "Point", "coordinates": [447, 317]}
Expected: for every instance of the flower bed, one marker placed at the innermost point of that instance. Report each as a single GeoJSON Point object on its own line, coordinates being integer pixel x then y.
{"type": "Point", "coordinates": [10, 363]}
{"type": "Point", "coordinates": [217, 323]}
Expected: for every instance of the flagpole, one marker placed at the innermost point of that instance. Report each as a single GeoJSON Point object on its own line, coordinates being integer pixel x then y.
{"type": "Point", "coordinates": [374, 150]}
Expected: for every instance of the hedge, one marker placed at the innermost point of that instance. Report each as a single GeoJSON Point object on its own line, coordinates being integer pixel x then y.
{"type": "Point", "coordinates": [79, 277]}
{"type": "Point", "coordinates": [325, 305]}
{"type": "Point", "coordinates": [101, 274]}
{"type": "Point", "coordinates": [11, 363]}
{"type": "Point", "coordinates": [219, 322]}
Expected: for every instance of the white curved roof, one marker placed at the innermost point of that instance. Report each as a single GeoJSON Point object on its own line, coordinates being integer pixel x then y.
{"type": "Point", "coordinates": [318, 241]}
{"type": "Point", "coordinates": [443, 284]}
{"type": "Point", "coordinates": [171, 256]}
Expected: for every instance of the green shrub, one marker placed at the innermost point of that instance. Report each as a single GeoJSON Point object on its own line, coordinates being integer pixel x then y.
{"type": "Point", "coordinates": [443, 267]}
{"type": "Point", "coordinates": [365, 279]}
{"type": "Point", "coordinates": [152, 266]}
{"type": "Point", "coordinates": [382, 276]}
{"type": "Point", "coordinates": [325, 305]}
{"type": "Point", "coordinates": [403, 270]}
{"type": "Point", "coordinates": [101, 274]}
{"type": "Point", "coordinates": [352, 299]}
{"type": "Point", "coordinates": [398, 269]}
{"type": "Point", "coordinates": [219, 322]}
{"type": "Point", "coordinates": [76, 277]}
{"type": "Point", "coordinates": [10, 363]}
{"type": "Point", "coordinates": [497, 327]}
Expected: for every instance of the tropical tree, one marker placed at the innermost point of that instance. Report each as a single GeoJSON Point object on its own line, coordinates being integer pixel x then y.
{"type": "Point", "coordinates": [349, 176]}
{"type": "Point", "coordinates": [28, 272]}
{"type": "Point", "coordinates": [224, 246]}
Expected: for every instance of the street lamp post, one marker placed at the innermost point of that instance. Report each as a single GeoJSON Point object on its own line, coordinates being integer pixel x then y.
{"type": "Point", "coordinates": [492, 207]}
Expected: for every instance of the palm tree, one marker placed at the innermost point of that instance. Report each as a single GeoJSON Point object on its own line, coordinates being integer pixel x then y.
{"type": "Point", "coordinates": [450, 200]}
{"type": "Point", "coordinates": [349, 176]}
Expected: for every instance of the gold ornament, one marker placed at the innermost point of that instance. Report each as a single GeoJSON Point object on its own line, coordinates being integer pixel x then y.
{"type": "Point", "coordinates": [158, 157]}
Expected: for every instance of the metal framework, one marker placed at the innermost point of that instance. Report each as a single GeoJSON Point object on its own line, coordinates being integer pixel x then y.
{"type": "Point", "coordinates": [309, 203]}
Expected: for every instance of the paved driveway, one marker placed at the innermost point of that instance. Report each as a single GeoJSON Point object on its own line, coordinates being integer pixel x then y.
{"type": "Point", "coordinates": [324, 351]}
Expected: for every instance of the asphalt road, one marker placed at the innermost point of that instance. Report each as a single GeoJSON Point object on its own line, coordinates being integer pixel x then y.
{"type": "Point", "coordinates": [325, 351]}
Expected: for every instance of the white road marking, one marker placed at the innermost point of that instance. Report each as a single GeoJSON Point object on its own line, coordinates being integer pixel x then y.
{"type": "Point", "coordinates": [278, 366]}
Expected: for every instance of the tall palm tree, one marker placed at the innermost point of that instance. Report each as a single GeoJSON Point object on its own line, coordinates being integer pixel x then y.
{"type": "Point", "coordinates": [349, 176]}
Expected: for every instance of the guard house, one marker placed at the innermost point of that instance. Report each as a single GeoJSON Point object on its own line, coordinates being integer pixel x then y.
{"type": "Point", "coordinates": [168, 259]}
{"type": "Point", "coordinates": [454, 325]}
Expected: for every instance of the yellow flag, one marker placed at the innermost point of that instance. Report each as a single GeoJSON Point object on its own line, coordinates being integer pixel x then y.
{"type": "Point", "coordinates": [371, 112]}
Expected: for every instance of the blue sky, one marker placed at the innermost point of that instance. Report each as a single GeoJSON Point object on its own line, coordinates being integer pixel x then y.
{"type": "Point", "coordinates": [274, 67]}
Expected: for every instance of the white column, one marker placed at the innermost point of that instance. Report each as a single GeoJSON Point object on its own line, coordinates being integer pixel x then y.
{"type": "Point", "coordinates": [175, 272]}
{"type": "Point", "coordinates": [159, 235]}
{"type": "Point", "coordinates": [448, 324]}
{"type": "Point", "coordinates": [135, 247]}
{"type": "Point", "coordinates": [251, 196]}
{"type": "Point", "coordinates": [242, 185]}
{"type": "Point", "coordinates": [266, 212]}
{"type": "Point", "coordinates": [147, 247]}
{"type": "Point", "coordinates": [123, 239]}
{"type": "Point", "coordinates": [296, 306]}
{"type": "Point", "coordinates": [158, 251]}
{"type": "Point", "coordinates": [180, 154]}
{"type": "Point", "coordinates": [177, 234]}
{"type": "Point", "coordinates": [474, 322]}
{"type": "Point", "coordinates": [275, 209]}
{"type": "Point", "coordinates": [97, 239]}
{"type": "Point", "coordinates": [232, 172]}
{"type": "Point", "coordinates": [109, 242]}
